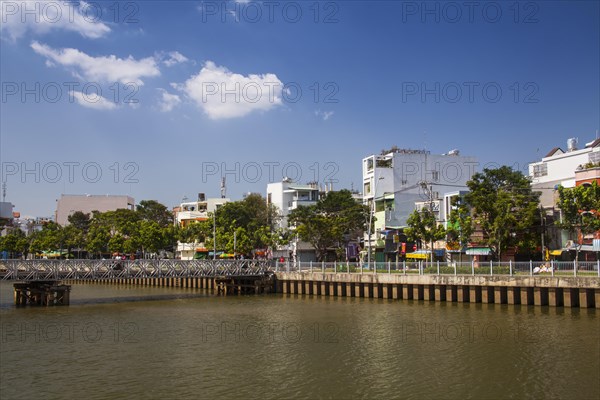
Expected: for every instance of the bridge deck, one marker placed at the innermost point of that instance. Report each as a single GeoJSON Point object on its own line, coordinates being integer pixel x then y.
{"type": "Point", "coordinates": [111, 269]}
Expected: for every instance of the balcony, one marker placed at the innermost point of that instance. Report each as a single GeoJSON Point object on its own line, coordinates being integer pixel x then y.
{"type": "Point", "coordinates": [191, 215]}
{"type": "Point", "coordinates": [293, 204]}
{"type": "Point", "coordinates": [588, 174]}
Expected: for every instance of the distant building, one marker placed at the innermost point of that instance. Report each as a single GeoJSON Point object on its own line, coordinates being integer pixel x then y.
{"type": "Point", "coordinates": [6, 210]}
{"type": "Point", "coordinates": [570, 168]}
{"type": "Point", "coordinates": [287, 196]}
{"type": "Point", "coordinates": [190, 212]}
{"type": "Point", "coordinates": [70, 203]}
{"type": "Point", "coordinates": [564, 168]}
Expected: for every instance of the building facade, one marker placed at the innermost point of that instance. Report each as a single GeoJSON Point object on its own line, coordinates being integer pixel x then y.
{"type": "Point", "coordinates": [86, 203]}
{"type": "Point", "coordinates": [573, 167]}
{"type": "Point", "coordinates": [287, 196]}
{"type": "Point", "coordinates": [190, 212]}
{"type": "Point", "coordinates": [398, 180]}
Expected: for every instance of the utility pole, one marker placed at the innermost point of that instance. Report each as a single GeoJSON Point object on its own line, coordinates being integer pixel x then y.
{"type": "Point", "coordinates": [429, 189]}
{"type": "Point", "coordinates": [543, 224]}
{"type": "Point", "coordinates": [215, 234]}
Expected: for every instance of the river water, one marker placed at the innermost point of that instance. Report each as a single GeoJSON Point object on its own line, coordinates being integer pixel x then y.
{"type": "Point", "coordinates": [169, 343]}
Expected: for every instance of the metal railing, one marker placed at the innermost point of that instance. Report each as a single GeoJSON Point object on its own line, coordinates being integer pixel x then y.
{"type": "Point", "coordinates": [110, 269]}
{"type": "Point", "coordinates": [504, 268]}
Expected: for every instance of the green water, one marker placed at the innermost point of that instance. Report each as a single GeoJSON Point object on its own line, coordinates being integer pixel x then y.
{"type": "Point", "coordinates": [171, 343]}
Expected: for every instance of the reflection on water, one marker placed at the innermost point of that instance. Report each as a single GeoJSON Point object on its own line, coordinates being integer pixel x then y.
{"type": "Point", "coordinates": [197, 345]}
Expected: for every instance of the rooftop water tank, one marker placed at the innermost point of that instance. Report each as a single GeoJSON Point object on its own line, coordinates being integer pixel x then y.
{"type": "Point", "coordinates": [572, 144]}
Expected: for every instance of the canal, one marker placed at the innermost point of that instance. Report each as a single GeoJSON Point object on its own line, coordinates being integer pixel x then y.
{"type": "Point", "coordinates": [166, 343]}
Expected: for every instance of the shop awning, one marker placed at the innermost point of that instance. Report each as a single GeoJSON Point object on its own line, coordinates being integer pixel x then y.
{"type": "Point", "coordinates": [478, 251]}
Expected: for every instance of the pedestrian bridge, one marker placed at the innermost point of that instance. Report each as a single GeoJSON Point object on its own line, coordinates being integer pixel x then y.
{"type": "Point", "coordinates": [113, 269]}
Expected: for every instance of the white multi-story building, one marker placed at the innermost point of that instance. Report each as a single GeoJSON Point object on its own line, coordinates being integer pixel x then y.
{"type": "Point", "coordinates": [190, 212]}
{"type": "Point", "coordinates": [287, 196]}
{"type": "Point", "coordinates": [565, 168]}
{"type": "Point", "coordinates": [558, 167]}
{"type": "Point", "coordinates": [398, 180]}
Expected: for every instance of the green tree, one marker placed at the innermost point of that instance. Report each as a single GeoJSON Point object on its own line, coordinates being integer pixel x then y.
{"type": "Point", "coordinates": [152, 210]}
{"type": "Point", "coordinates": [97, 239]}
{"type": "Point", "coordinates": [460, 224]}
{"type": "Point", "coordinates": [80, 221]}
{"type": "Point", "coordinates": [580, 210]}
{"type": "Point", "coordinates": [152, 236]}
{"type": "Point", "coordinates": [251, 218]}
{"type": "Point", "coordinates": [329, 223]}
{"type": "Point", "coordinates": [504, 207]}
{"type": "Point", "coordinates": [423, 226]}
{"type": "Point", "coordinates": [14, 242]}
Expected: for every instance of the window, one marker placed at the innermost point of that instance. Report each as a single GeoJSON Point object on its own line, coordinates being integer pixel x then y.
{"type": "Point", "coordinates": [594, 157]}
{"type": "Point", "coordinates": [367, 188]}
{"type": "Point", "coordinates": [435, 176]}
{"type": "Point", "coordinates": [369, 164]}
{"type": "Point", "coordinates": [540, 170]}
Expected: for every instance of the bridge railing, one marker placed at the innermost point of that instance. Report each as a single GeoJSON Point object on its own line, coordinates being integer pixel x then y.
{"type": "Point", "coordinates": [110, 269]}
{"type": "Point", "coordinates": [508, 268]}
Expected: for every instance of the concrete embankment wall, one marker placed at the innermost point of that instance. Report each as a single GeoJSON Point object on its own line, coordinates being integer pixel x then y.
{"type": "Point", "coordinates": [528, 290]}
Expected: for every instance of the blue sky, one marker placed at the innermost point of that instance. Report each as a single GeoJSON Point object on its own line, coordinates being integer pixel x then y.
{"type": "Point", "coordinates": [371, 75]}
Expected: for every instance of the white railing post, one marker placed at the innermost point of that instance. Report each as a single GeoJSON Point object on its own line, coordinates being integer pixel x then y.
{"type": "Point", "coordinates": [455, 268]}
{"type": "Point", "coordinates": [438, 266]}
{"type": "Point", "coordinates": [311, 267]}
{"type": "Point", "coordinates": [421, 268]}
{"type": "Point", "coordinates": [361, 267]}
{"type": "Point", "coordinates": [389, 267]}
{"type": "Point", "coordinates": [323, 266]}
{"type": "Point", "coordinates": [491, 268]}
{"type": "Point", "coordinates": [530, 268]}
{"type": "Point", "coordinates": [574, 268]}
{"type": "Point", "coordinates": [335, 266]}
{"type": "Point", "coordinates": [598, 266]}
{"type": "Point", "coordinates": [552, 267]}
{"type": "Point", "coordinates": [510, 267]}
{"type": "Point", "coordinates": [472, 267]}
{"type": "Point", "coordinates": [277, 266]}
{"type": "Point", "coordinates": [404, 266]}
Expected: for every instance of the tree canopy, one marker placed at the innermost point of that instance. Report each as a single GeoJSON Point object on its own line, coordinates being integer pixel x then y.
{"type": "Point", "coordinates": [580, 208]}
{"type": "Point", "coordinates": [504, 207]}
{"type": "Point", "coordinates": [330, 223]}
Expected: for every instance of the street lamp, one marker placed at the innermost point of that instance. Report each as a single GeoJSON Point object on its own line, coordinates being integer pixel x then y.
{"type": "Point", "coordinates": [371, 212]}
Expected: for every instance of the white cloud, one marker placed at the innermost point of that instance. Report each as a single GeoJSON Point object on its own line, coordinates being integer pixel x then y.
{"type": "Point", "coordinates": [40, 17]}
{"type": "Point", "coordinates": [92, 100]}
{"type": "Point", "coordinates": [168, 101]}
{"type": "Point", "coordinates": [223, 94]}
{"type": "Point", "coordinates": [175, 57]}
{"type": "Point", "coordinates": [324, 114]}
{"type": "Point", "coordinates": [105, 69]}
